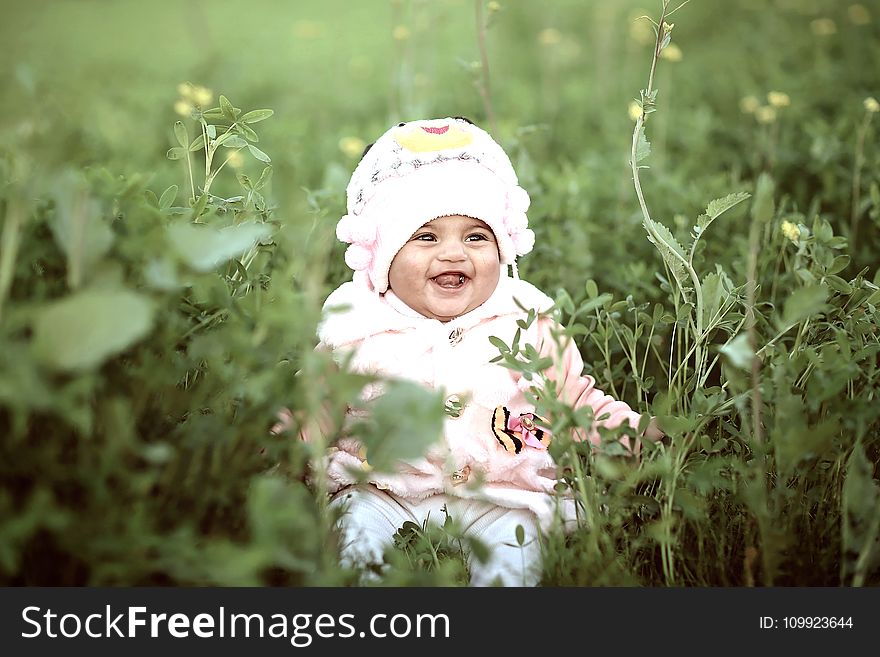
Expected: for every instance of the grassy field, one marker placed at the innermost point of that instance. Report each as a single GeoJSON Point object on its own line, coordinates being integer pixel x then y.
{"type": "Point", "coordinates": [157, 298]}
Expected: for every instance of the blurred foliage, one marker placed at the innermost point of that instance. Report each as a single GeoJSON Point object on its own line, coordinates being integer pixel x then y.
{"type": "Point", "coordinates": [159, 295]}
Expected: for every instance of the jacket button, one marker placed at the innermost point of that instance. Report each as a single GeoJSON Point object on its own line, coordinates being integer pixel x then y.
{"type": "Point", "coordinates": [454, 406]}
{"type": "Point", "coordinates": [460, 476]}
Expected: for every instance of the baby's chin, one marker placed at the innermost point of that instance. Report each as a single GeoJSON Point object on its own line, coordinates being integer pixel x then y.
{"type": "Point", "coordinates": [447, 311]}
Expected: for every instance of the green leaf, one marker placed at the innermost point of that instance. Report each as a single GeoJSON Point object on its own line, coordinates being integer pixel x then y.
{"type": "Point", "coordinates": [738, 352]}
{"type": "Point", "coordinates": [520, 535]}
{"type": "Point", "coordinates": [718, 207]}
{"type": "Point", "coordinates": [716, 288]}
{"type": "Point", "coordinates": [78, 226]}
{"type": "Point", "coordinates": [168, 197]}
{"type": "Point", "coordinates": [244, 181]}
{"type": "Point", "coordinates": [230, 140]}
{"type": "Point", "coordinates": [199, 207]}
{"type": "Point", "coordinates": [226, 108]}
{"type": "Point", "coordinates": [591, 304]}
{"type": "Point", "coordinates": [592, 289]}
{"type": "Point", "coordinates": [721, 205]}
{"type": "Point", "coordinates": [265, 177]}
{"type": "Point", "coordinates": [803, 303]}
{"type": "Point", "coordinates": [838, 284]}
{"type": "Point", "coordinates": [181, 134]}
{"type": "Point", "coordinates": [643, 146]}
{"type": "Point", "coordinates": [402, 423]}
{"type": "Point", "coordinates": [84, 329]}
{"type": "Point", "coordinates": [822, 230]}
{"type": "Point", "coordinates": [160, 274]}
{"type": "Point", "coordinates": [211, 130]}
{"type": "Point", "coordinates": [247, 132]}
{"type": "Point", "coordinates": [499, 344]}
{"type": "Point", "coordinates": [175, 153]}
{"type": "Point", "coordinates": [564, 301]}
{"type": "Point", "coordinates": [861, 514]}
{"type": "Point", "coordinates": [762, 206]}
{"type": "Point", "coordinates": [860, 499]}
{"type": "Point", "coordinates": [197, 144]}
{"type": "Point", "coordinates": [204, 248]}
{"type": "Point", "coordinates": [254, 116]}
{"type": "Point", "coordinates": [839, 263]}
{"type": "Point", "coordinates": [257, 153]}
{"type": "Point", "coordinates": [672, 252]}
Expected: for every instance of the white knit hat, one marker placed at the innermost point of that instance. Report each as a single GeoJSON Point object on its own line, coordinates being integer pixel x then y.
{"type": "Point", "coordinates": [422, 170]}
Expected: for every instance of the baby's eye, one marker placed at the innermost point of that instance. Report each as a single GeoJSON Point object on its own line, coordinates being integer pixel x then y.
{"type": "Point", "coordinates": [476, 237]}
{"type": "Point", "coordinates": [424, 237]}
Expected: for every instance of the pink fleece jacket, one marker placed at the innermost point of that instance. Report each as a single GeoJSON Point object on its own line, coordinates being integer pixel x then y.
{"type": "Point", "coordinates": [389, 338]}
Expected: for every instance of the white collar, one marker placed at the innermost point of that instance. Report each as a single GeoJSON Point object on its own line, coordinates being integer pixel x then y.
{"type": "Point", "coordinates": [360, 312]}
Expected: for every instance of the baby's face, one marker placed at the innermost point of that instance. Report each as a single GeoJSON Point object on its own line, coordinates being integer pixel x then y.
{"type": "Point", "coordinates": [447, 268]}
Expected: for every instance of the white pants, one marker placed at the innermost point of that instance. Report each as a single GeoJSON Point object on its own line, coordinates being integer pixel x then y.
{"type": "Point", "coordinates": [370, 517]}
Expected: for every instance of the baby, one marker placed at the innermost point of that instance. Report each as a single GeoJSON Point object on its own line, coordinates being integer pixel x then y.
{"type": "Point", "coordinates": [435, 217]}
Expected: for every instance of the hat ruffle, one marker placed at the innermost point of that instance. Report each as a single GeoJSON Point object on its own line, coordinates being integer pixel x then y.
{"type": "Point", "coordinates": [519, 199]}
{"type": "Point", "coordinates": [356, 229]}
{"type": "Point", "coordinates": [358, 257]}
{"type": "Point", "coordinates": [523, 241]}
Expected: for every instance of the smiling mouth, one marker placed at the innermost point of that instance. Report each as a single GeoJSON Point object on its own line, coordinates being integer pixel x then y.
{"type": "Point", "coordinates": [450, 280]}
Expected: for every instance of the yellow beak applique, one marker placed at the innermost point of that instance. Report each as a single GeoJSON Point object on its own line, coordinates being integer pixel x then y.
{"type": "Point", "coordinates": [428, 138]}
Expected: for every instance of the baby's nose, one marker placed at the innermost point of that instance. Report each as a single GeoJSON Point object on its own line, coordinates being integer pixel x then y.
{"type": "Point", "coordinates": [451, 250]}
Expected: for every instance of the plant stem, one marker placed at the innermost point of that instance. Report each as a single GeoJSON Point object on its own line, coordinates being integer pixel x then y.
{"type": "Point", "coordinates": [207, 148]}
{"type": "Point", "coordinates": [640, 122]}
{"type": "Point", "coordinates": [857, 178]}
{"type": "Point", "coordinates": [9, 246]}
{"type": "Point", "coordinates": [751, 285]}
{"type": "Point", "coordinates": [483, 86]}
{"type": "Point", "coordinates": [192, 185]}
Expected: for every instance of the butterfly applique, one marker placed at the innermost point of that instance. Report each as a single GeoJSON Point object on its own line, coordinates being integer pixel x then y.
{"type": "Point", "coordinates": [514, 432]}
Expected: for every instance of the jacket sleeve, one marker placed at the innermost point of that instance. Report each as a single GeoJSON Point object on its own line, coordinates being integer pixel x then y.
{"type": "Point", "coordinates": [578, 389]}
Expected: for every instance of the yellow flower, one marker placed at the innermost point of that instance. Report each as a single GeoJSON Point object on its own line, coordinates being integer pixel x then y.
{"type": "Point", "coordinates": [791, 231]}
{"type": "Point", "coordinates": [193, 95]}
{"type": "Point", "coordinates": [401, 33]}
{"type": "Point", "coordinates": [549, 36]}
{"type": "Point", "coordinates": [306, 29]}
{"type": "Point", "coordinates": [872, 105]}
{"type": "Point", "coordinates": [635, 111]}
{"type": "Point", "coordinates": [202, 96]}
{"type": "Point", "coordinates": [640, 29]}
{"type": "Point", "coordinates": [858, 15]}
{"type": "Point", "coordinates": [778, 99]}
{"type": "Point", "coordinates": [493, 6]}
{"type": "Point", "coordinates": [765, 114]}
{"type": "Point", "coordinates": [352, 146]}
{"type": "Point", "coordinates": [671, 52]}
{"type": "Point", "coordinates": [235, 159]}
{"type": "Point", "coordinates": [749, 104]}
{"type": "Point", "coordinates": [823, 27]}
{"type": "Point", "coordinates": [183, 107]}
